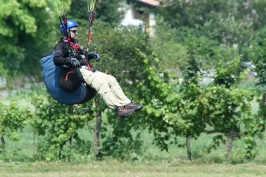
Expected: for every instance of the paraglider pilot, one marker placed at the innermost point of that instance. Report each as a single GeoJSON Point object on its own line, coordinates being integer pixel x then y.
{"type": "Point", "coordinates": [69, 54]}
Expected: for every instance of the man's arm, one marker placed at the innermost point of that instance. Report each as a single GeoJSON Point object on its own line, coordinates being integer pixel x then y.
{"type": "Point", "coordinates": [60, 56]}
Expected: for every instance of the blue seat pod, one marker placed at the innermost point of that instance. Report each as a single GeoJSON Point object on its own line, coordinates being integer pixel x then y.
{"type": "Point", "coordinates": [50, 74]}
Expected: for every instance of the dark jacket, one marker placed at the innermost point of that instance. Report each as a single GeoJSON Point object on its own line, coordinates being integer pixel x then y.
{"type": "Point", "coordinates": [63, 54]}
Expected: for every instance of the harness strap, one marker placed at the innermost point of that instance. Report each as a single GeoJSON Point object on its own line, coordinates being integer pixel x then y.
{"type": "Point", "coordinates": [70, 72]}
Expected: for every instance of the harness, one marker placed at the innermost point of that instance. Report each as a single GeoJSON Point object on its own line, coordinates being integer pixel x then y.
{"type": "Point", "coordinates": [76, 51]}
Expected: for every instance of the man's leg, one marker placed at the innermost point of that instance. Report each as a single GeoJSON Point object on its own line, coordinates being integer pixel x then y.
{"type": "Point", "coordinates": [102, 87]}
{"type": "Point", "coordinates": [115, 87]}
{"type": "Point", "coordinates": [118, 92]}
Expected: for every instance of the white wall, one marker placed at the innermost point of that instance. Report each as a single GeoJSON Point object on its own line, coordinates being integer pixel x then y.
{"type": "Point", "coordinates": [129, 19]}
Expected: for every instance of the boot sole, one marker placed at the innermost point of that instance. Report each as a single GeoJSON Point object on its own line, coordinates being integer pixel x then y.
{"type": "Point", "coordinates": [120, 117]}
{"type": "Point", "coordinates": [137, 109]}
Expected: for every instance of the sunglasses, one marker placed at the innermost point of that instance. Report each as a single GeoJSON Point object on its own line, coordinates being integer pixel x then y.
{"type": "Point", "coordinates": [74, 31]}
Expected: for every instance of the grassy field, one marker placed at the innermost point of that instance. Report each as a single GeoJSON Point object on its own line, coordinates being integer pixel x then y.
{"type": "Point", "coordinates": [119, 169]}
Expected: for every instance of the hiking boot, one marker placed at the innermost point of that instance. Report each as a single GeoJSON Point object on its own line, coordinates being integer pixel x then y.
{"type": "Point", "coordinates": [121, 111]}
{"type": "Point", "coordinates": [136, 107]}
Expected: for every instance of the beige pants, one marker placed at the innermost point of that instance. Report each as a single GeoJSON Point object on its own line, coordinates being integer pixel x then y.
{"type": "Point", "coordinates": [107, 86]}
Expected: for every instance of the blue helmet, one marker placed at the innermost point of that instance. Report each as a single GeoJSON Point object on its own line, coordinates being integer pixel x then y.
{"type": "Point", "coordinates": [70, 24]}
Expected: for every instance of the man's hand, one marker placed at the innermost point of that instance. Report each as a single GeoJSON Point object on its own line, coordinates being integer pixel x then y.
{"type": "Point", "coordinates": [93, 55]}
{"type": "Point", "coordinates": [74, 62]}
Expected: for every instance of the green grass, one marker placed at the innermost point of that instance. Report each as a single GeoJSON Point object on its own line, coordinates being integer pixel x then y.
{"type": "Point", "coordinates": [120, 169]}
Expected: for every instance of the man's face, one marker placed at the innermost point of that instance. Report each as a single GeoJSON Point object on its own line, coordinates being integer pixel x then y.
{"type": "Point", "coordinates": [74, 32]}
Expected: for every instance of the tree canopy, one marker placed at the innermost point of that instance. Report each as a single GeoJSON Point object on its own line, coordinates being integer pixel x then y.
{"type": "Point", "coordinates": [229, 22]}
{"type": "Point", "coordinates": [24, 30]}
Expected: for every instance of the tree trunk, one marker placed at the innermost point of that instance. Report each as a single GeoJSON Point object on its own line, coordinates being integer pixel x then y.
{"type": "Point", "coordinates": [34, 143]}
{"type": "Point", "coordinates": [229, 143]}
{"type": "Point", "coordinates": [97, 128]}
{"type": "Point", "coordinates": [263, 107]}
{"type": "Point", "coordinates": [70, 111]}
{"type": "Point", "coordinates": [190, 156]}
{"type": "Point", "coordinates": [2, 142]}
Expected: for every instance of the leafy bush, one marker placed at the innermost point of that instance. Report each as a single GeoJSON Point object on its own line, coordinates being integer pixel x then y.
{"type": "Point", "coordinates": [59, 128]}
